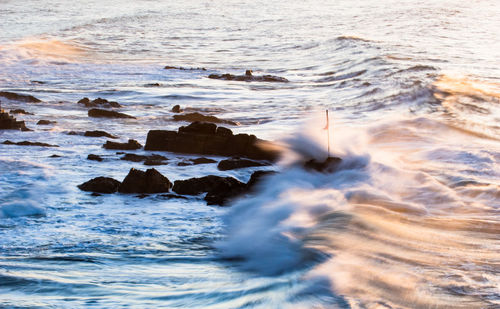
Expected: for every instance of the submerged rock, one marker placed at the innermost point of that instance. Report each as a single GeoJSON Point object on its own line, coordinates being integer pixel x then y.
{"type": "Point", "coordinates": [150, 181]}
{"type": "Point", "coordinates": [45, 122]}
{"type": "Point", "coordinates": [20, 111]}
{"type": "Point", "coordinates": [94, 157]}
{"type": "Point", "coordinates": [169, 67]}
{"type": "Point", "coordinates": [176, 109]}
{"type": "Point", "coordinates": [27, 143]}
{"type": "Point", "coordinates": [202, 118]}
{"type": "Point", "coordinates": [132, 144]}
{"type": "Point", "coordinates": [249, 77]}
{"type": "Point", "coordinates": [19, 97]}
{"type": "Point", "coordinates": [98, 133]}
{"type": "Point", "coordinates": [99, 102]}
{"type": "Point", "coordinates": [328, 165]}
{"type": "Point", "coordinates": [236, 163]}
{"type": "Point", "coordinates": [208, 139]}
{"type": "Point", "coordinates": [103, 113]}
{"type": "Point", "coordinates": [100, 185]}
{"type": "Point", "coordinates": [139, 158]}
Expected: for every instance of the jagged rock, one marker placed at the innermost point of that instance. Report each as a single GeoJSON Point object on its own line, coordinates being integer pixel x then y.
{"type": "Point", "coordinates": [219, 189]}
{"type": "Point", "coordinates": [19, 97]}
{"type": "Point", "coordinates": [150, 181]}
{"type": "Point", "coordinates": [43, 122]}
{"type": "Point", "coordinates": [176, 109]}
{"type": "Point", "coordinates": [94, 157]}
{"type": "Point", "coordinates": [139, 158]}
{"type": "Point", "coordinates": [132, 144]}
{"type": "Point", "coordinates": [100, 185]}
{"type": "Point", "coordinates": [27, 143]}
{"type": "Point", "coordinates": [98, 102]}
{"type": "Point", "coordinates": [325, 166]}
{"type": "Point", "coordinates": [20, 111]}
{"type": "Point", "coordinates": [249, 77]}
{"type": "Point", "coordinates": [102, 113]}
{"type": "Point", "coordinates": [235, 163]}
{"type": "Point", "coordinates": [7, 122]}
{"type": "Point", "coordinates": [207, 139]}
{"type": "Point", "coordinates": [98, 133]}
{"type": "Point", "coordinates": [200, 117]}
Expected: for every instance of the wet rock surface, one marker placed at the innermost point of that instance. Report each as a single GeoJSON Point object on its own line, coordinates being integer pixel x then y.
{"type": "Point", "coordinates": [249, 77]}
{"type": "Point", "coordinates": [236, 163]}
{"type": "Point", "coordinates": [196, 161]}
{"type": "Point", "coordinates": [326, 166]}
{"type": "Point", "coordinates": [19, 97]}
{"type": "Point", "coordinates": [140, 158]}
{"type": "Point", "coordinates": [103, 113]}
{"type": "Point", "coordinates": [208, 139]}
{"type": "Point", "coordinates": [132, 144]}
{"type": "Point", "coordinates": [100, 185]}
{"type": "Point", "coordinates": [202, 118]}
{"type": "Point", "coordinates": [20, 111]}
{"type": "Point", "coordinates": [219, 189]}
{"type": "Point", "coordinates": [99, 102]}
{"type": "Point", "coordinates": [150, 181]}
{"type": "Point", "coordinates": [8, 122]}
{"type": "Point", "coordinates": [44, 122]}
{"type": "Point", "coordinates": [169, 67]}
{"type": "Point", "coordinates": [28, 143]}
{"type": "Point", "coordinates": [98, 133]}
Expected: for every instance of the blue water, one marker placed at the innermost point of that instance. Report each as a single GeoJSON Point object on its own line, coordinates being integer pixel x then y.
{"type": "Point", "coordinates": [410, 219]}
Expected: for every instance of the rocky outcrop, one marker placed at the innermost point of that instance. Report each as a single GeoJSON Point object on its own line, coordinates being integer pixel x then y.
{"type": "Point", "coordinates": [219, 189]}
{"type": "Point", "coordinates": [208, 139]}
{"type": "Point", "coordinates": [236, 163]}
{"type": "Point", "coordinates": [132, 144]}
{"type": "Point", "coordinates": [98, 103]}
{"type": "Point", "coordinates": [19, 97]}
{"type": "Point", "coordinates": [100, 185]}
{"type": "Point", "coordinates": [98, 133]}
{"type": "Point", "coordinates": [150, 181]}
{"type": "Point", "coordinates": [202, 118]}
{"type": "Point", "coordinates": [7, 122]}
{"type": "Point", "coordinates": [27, 143]}
{"type": "Point", "coordinates": [249, 77]}
{"type": "Point", "coordinates": [20, 111]}
{"type": "Point", "coordinates": [103, 113]}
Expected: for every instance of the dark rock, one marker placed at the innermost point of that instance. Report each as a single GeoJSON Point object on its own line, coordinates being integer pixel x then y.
{"type": "Point", "coordinates": [176, 109]}
{"type": "Point", "coordinates": [20, 111]}
{"type": "Point", "coordinates": [169, 67]}
{"type": "Point", "coordinates": [98, 133]}
{"type": "Point", "coordinates": [96, 194]}
{"type": "Point", "coordinates": [45, 122]}
{"type": "Point", "coordinates": [132, 144]}
{"type": "Point", "coordinates": [38, 82]}
{"type": "Point", "coordinates": [200, 117]}
{"type": "Point", "coordinates": [257, 177]}
{"type": "Point", "coordinates": [184, 163]}
{"type": "Point", "coordinates": [211, 183]}
{"type": "Point", "coordinates": [27, 143]}
{"type": "Point", "coordinates": [55, 156]}
{"type": "Point", "coordinates": [171, 196]}
{"type": "Point", "coordinates": [224, 191]}
{"type": "Point", "coordinates": [94, 157]}
{"type": "Point", "coordinates": [235, 163]}
{"type": "Point", "coordinates": [202, 161]}
{"type": "Point", "coordinates": [138, 158]}
{"type": "Point", "coordinates": [329, 165]}
{"type": "Point", "coordinates": [102, 113]}
{"type": "Point", "coordinates": [152, 85]}
{"type": "Point", "coordinates": [100, 185]}
{"type": "Point", "coordinates": [19, 97]}
{"type": "Point", "coordinates": [223, 131]}
{"type": "Point", "coordinates": [151, 162]}
{"type": "Point", "coordinates": [249, 77]}
{"type": "Point", "coordinates": [8, 122]}
{"type": "Point", "coordinates": [150, 181]}
{"type": "Point", "coordinates": [199, 138]}
{"type": "Point", "coordinates": [73, 133]}
{"type": "Point", "coordinates": [99, 102]}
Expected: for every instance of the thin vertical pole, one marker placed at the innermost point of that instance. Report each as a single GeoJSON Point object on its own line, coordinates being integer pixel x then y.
{"type": "Point", "coordinates": [328, 132]}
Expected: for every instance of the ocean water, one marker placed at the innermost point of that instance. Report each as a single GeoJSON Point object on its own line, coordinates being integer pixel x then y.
{"type": "Point", "coordinates": [411, 218]}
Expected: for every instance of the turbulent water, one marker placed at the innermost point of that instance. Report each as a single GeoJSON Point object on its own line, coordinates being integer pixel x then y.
{"type": "Point", "coordinates": [410, 219]}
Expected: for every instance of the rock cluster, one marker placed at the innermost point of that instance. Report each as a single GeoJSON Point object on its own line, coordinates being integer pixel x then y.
{"type": "Point", "coordinates": [7, 122]}
{"type": "Point", "coordinates": [208, 139]}
{"type": "Point", "coordinates": [98, 102]}
{"type": "Point", "coordinates": [132, 144]}
{"type": "Point", "coordinates": [202, 118]}
{"type": "Point", "coordinates": [249, 77]}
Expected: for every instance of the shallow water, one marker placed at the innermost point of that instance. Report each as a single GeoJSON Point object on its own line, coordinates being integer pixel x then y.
{"type": "Point", "coordinates": [410, 220]}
